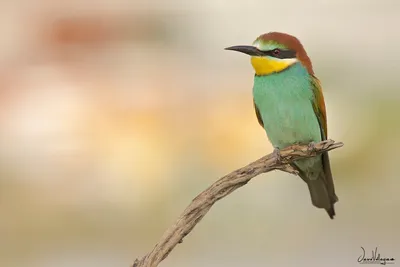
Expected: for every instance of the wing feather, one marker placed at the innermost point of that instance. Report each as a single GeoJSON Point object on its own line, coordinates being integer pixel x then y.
{"type": "Point", "coordinates": [320, 111]}
{"type": "Point", "coordinates": [319, 106]}
{"type": "Point", "coordinates": [260, 121]}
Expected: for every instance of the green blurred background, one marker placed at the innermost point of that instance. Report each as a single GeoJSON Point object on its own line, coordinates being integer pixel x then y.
{"type": "Point", "coordinates": [116, 113]}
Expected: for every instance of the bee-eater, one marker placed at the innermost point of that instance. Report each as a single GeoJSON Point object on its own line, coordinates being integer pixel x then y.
{"type": "Point", "coordinates": [289, 105]}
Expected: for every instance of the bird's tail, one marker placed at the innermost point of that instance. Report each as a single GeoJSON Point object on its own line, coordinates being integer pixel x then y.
{"type": "Point", "coordinates": [322, 189]}
{"type": "Point", "coordinates": [320, 196]}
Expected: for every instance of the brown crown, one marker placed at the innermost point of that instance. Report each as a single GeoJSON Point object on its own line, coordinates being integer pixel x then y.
{"type": "Point", "coordinates": [291, 43]}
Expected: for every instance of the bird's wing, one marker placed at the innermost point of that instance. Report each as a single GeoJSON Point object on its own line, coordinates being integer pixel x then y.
{"type": "Point", "coordinates": [260, 121]}
{"type": "Point", "coordinates": [319, 106]}
{"type": "Point", "coordinates": [320, 111]}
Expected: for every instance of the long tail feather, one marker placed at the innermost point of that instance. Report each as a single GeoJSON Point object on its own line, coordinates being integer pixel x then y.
{"type": "Point", "coordinates": [319, 180]}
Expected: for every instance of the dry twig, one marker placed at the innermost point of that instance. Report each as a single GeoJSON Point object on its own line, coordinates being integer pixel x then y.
{"type": "Point", "coordinates": [223, 187]}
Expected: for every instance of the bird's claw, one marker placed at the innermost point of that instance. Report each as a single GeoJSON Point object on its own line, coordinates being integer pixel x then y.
{"type": "Point", "coordinates": [277, 154]}
{"type": "Point", "coordinates": [311, 146]}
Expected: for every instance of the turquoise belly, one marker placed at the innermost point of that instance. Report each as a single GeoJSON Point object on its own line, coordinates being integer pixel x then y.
{"type": "Point", "coordinates": [284, 102]}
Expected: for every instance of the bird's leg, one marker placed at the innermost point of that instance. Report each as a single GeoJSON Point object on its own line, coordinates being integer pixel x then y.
{"type": "Point", "coordinates": [277, 154]}
{"type": "Point", "coordinates": [282, 164]}
{"type": "Point", "coordinates": [311, 146]}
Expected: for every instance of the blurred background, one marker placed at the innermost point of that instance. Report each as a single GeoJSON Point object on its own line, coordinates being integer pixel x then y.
{"type": "Point", "coordinates": [114, 114]}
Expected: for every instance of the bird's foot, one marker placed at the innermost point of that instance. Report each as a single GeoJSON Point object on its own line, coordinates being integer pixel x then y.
{"type": "Point", "coordinates": [277, 154]}
{"type": "Point", "coordinates": [311, 146]}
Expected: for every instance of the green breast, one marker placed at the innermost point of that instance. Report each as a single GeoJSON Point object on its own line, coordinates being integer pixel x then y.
{"type": "Point", "coordinates": [284, 101]}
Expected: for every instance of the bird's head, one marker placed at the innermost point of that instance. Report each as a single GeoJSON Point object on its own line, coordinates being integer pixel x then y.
{"type": "Point", "coordinates": [274, 52]}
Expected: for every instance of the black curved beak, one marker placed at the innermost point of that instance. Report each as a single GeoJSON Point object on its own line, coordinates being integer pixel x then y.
{"type": "Point", "coordinates": [247, 49]}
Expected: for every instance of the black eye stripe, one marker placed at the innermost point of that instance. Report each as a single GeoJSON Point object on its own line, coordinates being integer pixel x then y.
{"type": "Point", "coordinates": [282, 53]}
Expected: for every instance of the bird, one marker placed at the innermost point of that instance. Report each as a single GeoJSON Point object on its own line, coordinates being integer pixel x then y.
{"type": "Point", "coordinates": [289, 105]}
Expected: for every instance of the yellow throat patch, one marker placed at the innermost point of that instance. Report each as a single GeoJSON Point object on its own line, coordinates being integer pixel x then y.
{"type": "Point", "coordinates": [265, 65]}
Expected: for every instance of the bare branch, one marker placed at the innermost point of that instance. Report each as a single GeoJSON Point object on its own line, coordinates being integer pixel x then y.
{"type": "Point", "coordinates": [223, 187]}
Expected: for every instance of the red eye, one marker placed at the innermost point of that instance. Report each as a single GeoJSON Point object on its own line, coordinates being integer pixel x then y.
{"type": "Point", "coordinates": [276, 52]}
